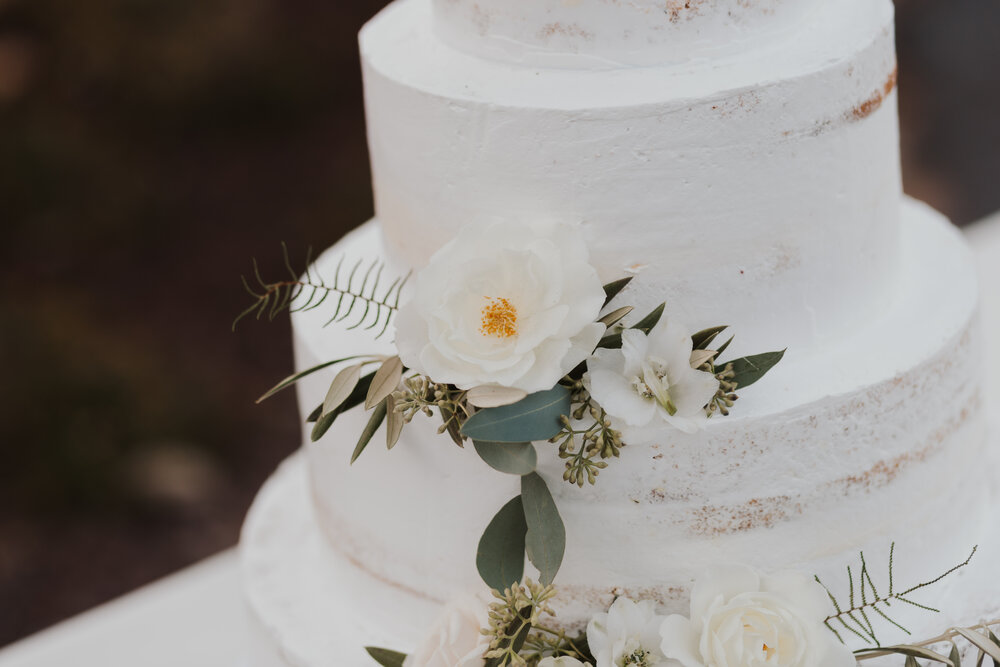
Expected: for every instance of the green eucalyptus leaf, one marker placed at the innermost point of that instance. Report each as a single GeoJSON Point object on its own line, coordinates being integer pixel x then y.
{"type": "Point", "coordinates": [724, 346]}
{"type": "Point", "coordinates": [386, 380]}
{"type": "Point", "coordinates": [911, 662]}
{"type": "Point", "coordinates": [385, 657]}
{"type": "Point", "coordinates": [513, 458]}
{"type": "Point", "coordinates": [545, 542]}
{"type": "Point", "coordinates": [292, 379]}
{"type": "Point", "coordinates": [614, 341]}
{"type": "Point", "coordinates": [612, 289]}
{"type": "Point", "coordinates": [315, 414]}
{"type": "Point", "coordinates": [911, 651]}
{"type": "Point", "coordinates": [378, 416]}
{"type": "Point", "coordinates": [955, 656]}
{"type": "Point", "coordinates": [704, 338]}
{"type": "Point", "coordinates": [750, 369]}
{"type": "Point", "coordinates": [535, 417]}
{"type": "Point", "coordinates": [981, 641]}
{"type": "Point", "coordinates": [500, 555]}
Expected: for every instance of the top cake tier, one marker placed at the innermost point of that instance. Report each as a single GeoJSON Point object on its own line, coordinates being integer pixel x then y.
{"type": "Point", "coordinates": [761, 187]}
{"type": "Point", "coordinates": [609, 33]}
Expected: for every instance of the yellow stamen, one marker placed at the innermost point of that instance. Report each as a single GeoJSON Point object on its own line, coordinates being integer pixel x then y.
{"type": "Point", "coordinates": [499, 318]}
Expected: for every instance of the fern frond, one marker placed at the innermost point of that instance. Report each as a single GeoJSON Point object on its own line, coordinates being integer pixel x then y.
{"type": "Point", "coordinates": [358, 292]}
{"type": "Point", "coordinates": [855, 615]}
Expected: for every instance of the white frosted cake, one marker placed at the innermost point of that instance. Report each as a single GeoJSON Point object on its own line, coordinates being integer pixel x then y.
{"type": "Point", "coordinates": [739, 158]}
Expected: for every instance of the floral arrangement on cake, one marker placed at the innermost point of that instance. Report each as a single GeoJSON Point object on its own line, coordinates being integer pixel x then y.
{"type": "Point", "coordinates": [509, 338]}
{"type": "Point", "coordinates": [738, 617]}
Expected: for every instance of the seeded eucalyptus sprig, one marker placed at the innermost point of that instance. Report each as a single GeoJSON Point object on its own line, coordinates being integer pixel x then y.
{"type": "Point", "coordinates": [581, 448]}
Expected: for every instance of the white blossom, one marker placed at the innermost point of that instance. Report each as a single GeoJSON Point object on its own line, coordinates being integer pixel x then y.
{"type": "Point", "coordinates": [628, 635]}
{"type": "Point", "coordinates": [742, 619]}
{"type": "Point", "coordinates": [562, 661]}
{"type": "Point", "coordinates": [455, 639]}
{"type": "Point", "coordinates": [511, 305]}
{"type": "Point", "coordinates": [650, 379]}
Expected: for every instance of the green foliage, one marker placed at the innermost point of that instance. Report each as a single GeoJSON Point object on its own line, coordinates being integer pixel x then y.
{"type": "Point", "coordinates": [500, 555]}
{"type": "Point", "coordinates": [980, 637]}
{"type": "Point", "coordinates": [864, 600]}
{"type": "Point", "coordinates": [357, 288]}
{"type": "Point", "coordinates": [378, 416]}
{"type": "Point", "coordinates": [581, 448]}
{"type": "Point", "coordinates": [535, 417]}
{"type": "Point", "coordinates": [748, 370]}
{"type": "Point", "coordinates": [513, 458]}
{"type": "Point", "coordinates": [295, 377]}
{"type": "Point", "coordinates": [357, 397]}
{"type": "Point", "coordinates": [612, 289]}
{"type": "Point", "coordinates": [516, 611]}
{"type": "Point", "coordinates": [385, 657]}
{"type": "Point", "coordinates": [614, 341]}
{"type": "Point", "coordinates": [545, 543]}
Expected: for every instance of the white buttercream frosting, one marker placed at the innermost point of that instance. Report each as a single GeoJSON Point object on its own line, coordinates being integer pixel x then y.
{"type": "Point", "coordinates": [763, 187]}
{"type": "Point", "coordinates": [608, 33]}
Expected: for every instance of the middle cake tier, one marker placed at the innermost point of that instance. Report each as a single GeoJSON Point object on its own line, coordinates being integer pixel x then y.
{"type": "Point", "coordinates": [872, 438]}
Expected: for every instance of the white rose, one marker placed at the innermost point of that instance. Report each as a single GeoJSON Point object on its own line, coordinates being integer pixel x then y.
{"type": "Point", "coordinates": [562, 661]}
{"type": "Point", "coordinates": [742, 619]}
{"type": "Point", "coordinates": [627, 636]}
{"type": "Point", "coordinates": [455, 639]}
{"type": "Point", "coordinates": [510, 305]}
{"type": "Point", "coordinates": [650, 378]}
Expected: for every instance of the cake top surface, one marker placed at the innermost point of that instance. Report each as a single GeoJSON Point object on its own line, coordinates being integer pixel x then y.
{"type": "Point", "coordinates": [608, 33]}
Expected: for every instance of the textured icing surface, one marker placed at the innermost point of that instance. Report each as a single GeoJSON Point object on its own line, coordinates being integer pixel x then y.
{"type": "Point", "coordinates": [308, 607]}
{"type": "Point", "coordinates": [606, 33]}
{"type": "Point", "coordinates": [836, 450]}
{"type": "Point", "coordinates": [764, 187]}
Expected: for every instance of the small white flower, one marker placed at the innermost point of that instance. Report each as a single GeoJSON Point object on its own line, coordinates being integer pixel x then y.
{"type": "Point", "coordinates": [627, 636]}
{"type": "Point", "coordinates": [511, 305]}
{"type": "Point", "coordinates": [562, 661]}
{"type": "Point", "coordinates": [455, 639]}
{"type": "Point", "coordinates": [742, 619]}
{"type": "Point", "coordinates": [651, 378]}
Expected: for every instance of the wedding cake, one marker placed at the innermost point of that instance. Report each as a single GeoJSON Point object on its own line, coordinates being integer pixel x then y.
{"type": "Point", "coordinates": [739, 160]}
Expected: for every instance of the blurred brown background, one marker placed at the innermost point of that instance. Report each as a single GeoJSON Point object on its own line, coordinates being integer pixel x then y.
{"type": "Point", "coordinates": [148, 149]}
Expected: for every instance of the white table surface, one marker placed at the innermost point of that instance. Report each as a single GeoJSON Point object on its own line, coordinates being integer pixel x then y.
{"type": "Point", "coordinates": [195, 618]}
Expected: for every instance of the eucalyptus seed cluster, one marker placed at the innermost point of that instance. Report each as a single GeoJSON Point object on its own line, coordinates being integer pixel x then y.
{"type": "Point", "coordinates": [516, 610]}
{"type": "Point", "coordinates": [600, 440]}
{"type": "Point", "coordinates": [725, 396]}
{"type": "Point", "coordinates": [419, 394]}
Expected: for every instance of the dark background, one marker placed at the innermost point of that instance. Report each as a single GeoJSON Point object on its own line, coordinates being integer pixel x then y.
{"type": "Point", "coordinates": [148, 149]}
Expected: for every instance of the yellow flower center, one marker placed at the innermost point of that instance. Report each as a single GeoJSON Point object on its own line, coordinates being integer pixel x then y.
{"type": "Point", "coordinates": [499, 318]}
{"type": "Point", "coordinates": [768, 652]}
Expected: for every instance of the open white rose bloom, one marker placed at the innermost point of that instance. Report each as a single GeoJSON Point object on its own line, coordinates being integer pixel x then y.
{"type": "Point", "coordinates": [509, 304]}
{"type": "Point", "coordinates": [455, 639]}
{"type": "Point", "coordinates": [650, 380]}
{"type": "Point", "coordinates": [740, 618]}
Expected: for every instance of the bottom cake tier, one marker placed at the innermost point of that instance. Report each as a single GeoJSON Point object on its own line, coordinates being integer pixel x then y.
{"type": "Point", "coordinates": [311, 607]}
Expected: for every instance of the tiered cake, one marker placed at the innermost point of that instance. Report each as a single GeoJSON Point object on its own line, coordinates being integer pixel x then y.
{"type": "Point", "coordinates": [741, 158]}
